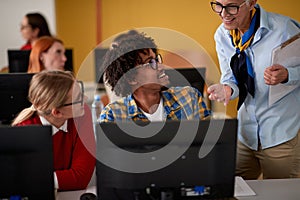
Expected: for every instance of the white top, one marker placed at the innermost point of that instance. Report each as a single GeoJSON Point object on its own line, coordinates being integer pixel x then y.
{"type": "Point", "coordinates": [55, 130]}
{"type": "Point", "coordinates": [158, 115]}
{"type": "Point", "coordinates": [64, 127]}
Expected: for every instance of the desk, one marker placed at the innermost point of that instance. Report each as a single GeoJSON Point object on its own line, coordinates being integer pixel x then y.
{"type": "Point", "coordinates": [272, 189]}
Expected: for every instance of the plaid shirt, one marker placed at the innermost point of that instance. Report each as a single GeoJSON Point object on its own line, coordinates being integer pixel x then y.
{"type": "Point", "coordinates": [179, 103]}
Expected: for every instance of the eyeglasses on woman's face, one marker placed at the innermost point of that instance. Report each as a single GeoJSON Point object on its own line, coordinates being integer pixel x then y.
{"type": "Point", "coordinates": [81, 96]}
{"type": "Point", "coordinates": [22, 27]}
{"type": "Point", "coordinates": [153, 63]}
{"type": "Point", "coordinates": [230, 9]}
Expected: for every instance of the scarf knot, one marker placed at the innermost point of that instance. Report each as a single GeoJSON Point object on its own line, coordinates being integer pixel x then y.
{"type": "Point", "coordinates": [240, 63]}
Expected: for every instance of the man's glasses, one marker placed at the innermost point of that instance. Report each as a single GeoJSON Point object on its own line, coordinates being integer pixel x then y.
{"type": "Point", "coordinates": [153, 62]}
{"type": "Point", "coordinates": [231, 9]}
{"type": "Point", "coordinates": [81, 96]}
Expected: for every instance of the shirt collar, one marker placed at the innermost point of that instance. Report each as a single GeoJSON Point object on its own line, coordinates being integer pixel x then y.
{"type": "Point", "coordinates": [170, 104]}
{"type": "Point", "coordinates": [63, 128]}
{"type": "Point", "coordinates": [133, 110]}
{"type": "Point", "coordinates": [263, 28]}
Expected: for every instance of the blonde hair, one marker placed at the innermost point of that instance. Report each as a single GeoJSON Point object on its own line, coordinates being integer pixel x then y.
{"type": "Point", "coordinates": [40, 46]}
{"type": "Point", "coordinates": [47, 90]}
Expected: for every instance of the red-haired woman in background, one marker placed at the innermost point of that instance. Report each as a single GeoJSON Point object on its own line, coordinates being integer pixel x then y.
{"type": "Point", "coordinates": [48, 53]}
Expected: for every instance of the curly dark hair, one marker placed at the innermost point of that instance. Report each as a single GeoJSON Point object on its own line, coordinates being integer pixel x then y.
{"type": "Point", "coordinates": [124, 56]}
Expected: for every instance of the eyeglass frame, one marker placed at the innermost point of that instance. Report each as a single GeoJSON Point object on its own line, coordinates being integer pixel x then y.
{"type": "Point", "coordinates": [154, 65]}
{"type": "Point", "coordinates": [82, 96]}
{"type": "Point", "coordinates": [22, 27]}
{"type": "Point", "coordinates": [226, 7]}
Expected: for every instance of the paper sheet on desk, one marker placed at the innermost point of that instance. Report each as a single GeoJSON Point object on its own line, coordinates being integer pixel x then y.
{"type": "Point", "coordinates": [288, 55]}
{"type": "Point", "coordinates": [241, 188]}
{"type": "Point", "coordinates": [91, 189]}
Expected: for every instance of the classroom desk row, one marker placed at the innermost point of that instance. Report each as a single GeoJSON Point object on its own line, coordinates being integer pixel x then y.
{"type": "Point", "coordinates": [272, 189]}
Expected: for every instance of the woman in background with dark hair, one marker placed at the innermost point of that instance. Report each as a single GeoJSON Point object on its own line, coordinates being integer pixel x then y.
{"type": "Point", "coordinates": [33, 26]}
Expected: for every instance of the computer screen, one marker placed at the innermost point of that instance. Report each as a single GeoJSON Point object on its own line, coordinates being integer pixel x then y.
{"type": "Point", "coordinates": [99, 69]}
{"type": "Point", "coordinates": [26, 168]}
{"type": "Point", "coordinates": [186, 158]}
{"type": "Point", "coordinates": [14, 92]}
{"type": "Point", "coordinates": [18, 60]}
{"type": "Point", "coordinates": [69, 62]}
{"type": "Point", "coordinates": [194, 77]}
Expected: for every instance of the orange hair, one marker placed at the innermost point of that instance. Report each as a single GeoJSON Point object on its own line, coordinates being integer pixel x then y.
{"type": "Point", "coordinates": [41, 45]}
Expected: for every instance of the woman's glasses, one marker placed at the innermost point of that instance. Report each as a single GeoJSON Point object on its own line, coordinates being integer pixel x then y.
{"type": "Point", "coordinates": [231, 9]}
{"type": "Point", "coordinates": [153, 62]}
{"type": "Point", "coordinates": [81, 96]}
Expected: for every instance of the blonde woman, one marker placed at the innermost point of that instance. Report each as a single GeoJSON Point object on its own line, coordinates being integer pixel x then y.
{"type": "Point", "coordinates": [58, 100]}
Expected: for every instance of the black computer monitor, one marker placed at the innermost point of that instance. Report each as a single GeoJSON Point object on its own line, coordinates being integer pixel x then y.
{"type": "Point", "coordinates": [194, 77]}
{"type": "Point", "coordinates": [183, 159]}
{"type": "Point", "coordinates": [18, 60]}
{"type": "Point", "coordinates": [69, 62]}
{"type": "Point", "coordinates": [99, 68]}
{"type": "Point", "coordinates": [13, 92]}
{"type": "Point", "coordinates": [26, 158]}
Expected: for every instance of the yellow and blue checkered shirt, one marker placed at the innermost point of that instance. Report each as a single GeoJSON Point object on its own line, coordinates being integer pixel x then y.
{"type": "Point", "coordinates": [178, 102]}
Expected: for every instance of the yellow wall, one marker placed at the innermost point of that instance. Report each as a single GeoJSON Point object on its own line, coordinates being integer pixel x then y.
{"type": "Point", "coordinates": [76, 26]}
{"type": "Point", "coordinates": [76, 23]}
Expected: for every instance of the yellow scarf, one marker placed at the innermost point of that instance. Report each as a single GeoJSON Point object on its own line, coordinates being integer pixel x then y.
{"type": "Point", "coordinates": [238, 39]}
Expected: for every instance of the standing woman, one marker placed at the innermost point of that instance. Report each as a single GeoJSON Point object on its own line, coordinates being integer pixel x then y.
{"type": "Point", "coordinates": [48, 53]}
{"type": "Point", "coordinates": [268, 134]}
{"type": "Point", "coordinates": [58, 100]}
{"type": "Point", "coordinates": [33, 26]}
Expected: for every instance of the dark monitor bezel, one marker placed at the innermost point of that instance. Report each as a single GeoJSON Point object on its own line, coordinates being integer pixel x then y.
{"type": "Point", "coordinates": [99, 54]}
{"type": "Point", "coordinates": [194, 76]}
{"type": "Point", "coordinates": [18, 60]}
{"type": "Point", "coordinates": [69, 63]}
{"type": "Point", "coordinates": [14, 89]}
{"type": "Point", "coordinates": [26, 159]}
{"type": "Point", "coordinates": [216, 170]}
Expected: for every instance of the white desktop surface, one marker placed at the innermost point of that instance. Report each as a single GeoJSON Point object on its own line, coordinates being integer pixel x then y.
{"type": "Point", "coordinates": [272, 189]}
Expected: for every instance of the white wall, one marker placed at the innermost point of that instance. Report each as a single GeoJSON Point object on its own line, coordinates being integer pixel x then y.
{"type": "Point", "coordinates": [11, 14]}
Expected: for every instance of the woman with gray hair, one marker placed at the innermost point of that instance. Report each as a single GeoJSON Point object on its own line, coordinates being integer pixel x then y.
{"type": "Point", "coordinates": [269, 134]}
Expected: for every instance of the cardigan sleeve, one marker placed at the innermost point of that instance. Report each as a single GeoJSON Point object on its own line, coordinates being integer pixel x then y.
{"type": "Point", "coordinates": [83, 160]}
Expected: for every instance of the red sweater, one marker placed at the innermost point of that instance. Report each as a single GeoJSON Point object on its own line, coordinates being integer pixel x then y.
{"type": "Point", "coordinates": [26, 46]}
{"type": "Point", "coordinates": [73, 152]}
